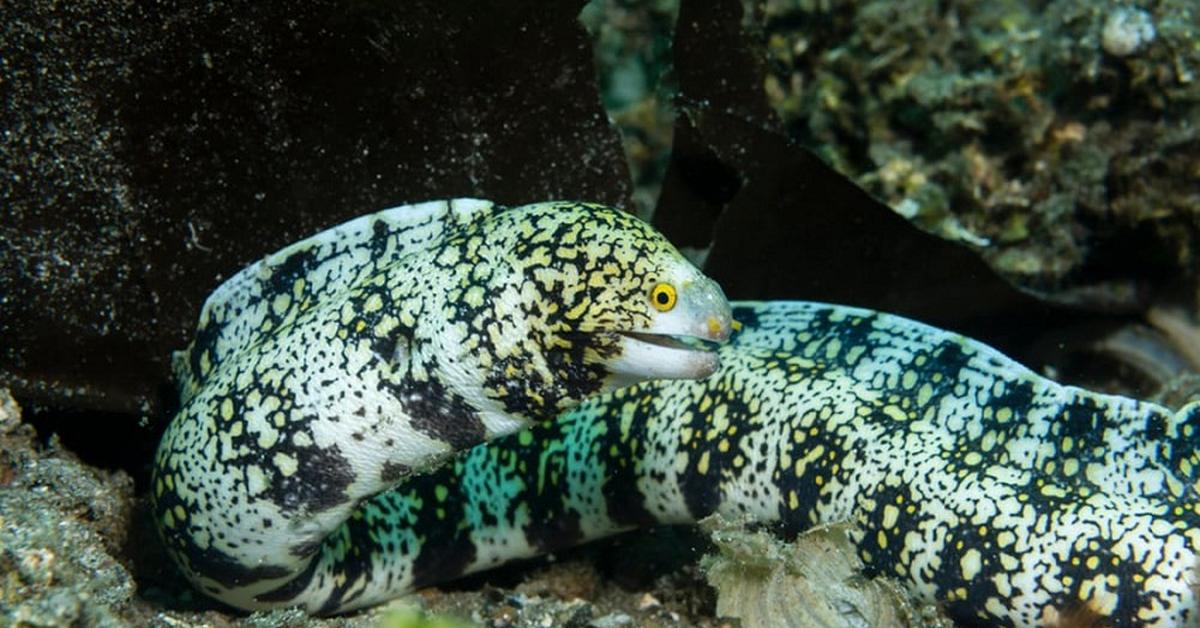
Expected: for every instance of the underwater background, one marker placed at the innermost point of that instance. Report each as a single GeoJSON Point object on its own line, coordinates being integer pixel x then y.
{"type": "Point", "coordinates": [1027, 173]}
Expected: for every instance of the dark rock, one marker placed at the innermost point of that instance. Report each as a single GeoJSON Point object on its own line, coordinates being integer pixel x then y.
{"type": "Point", "coordinates": [152, 150]}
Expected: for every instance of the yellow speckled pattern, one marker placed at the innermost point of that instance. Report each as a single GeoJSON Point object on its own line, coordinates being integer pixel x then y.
{"type": "Point", "coordinates": [331, 369]}
{"type": "Point", "coordinates": [1005, 497]}
{"type": "Point", "coordinates": [322, 375]}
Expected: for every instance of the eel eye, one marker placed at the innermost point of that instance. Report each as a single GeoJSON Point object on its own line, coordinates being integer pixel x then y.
{"type": "Point", "coordinates": [663, 297]}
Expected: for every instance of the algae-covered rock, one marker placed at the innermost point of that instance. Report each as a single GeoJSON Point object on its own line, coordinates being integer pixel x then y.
{"type": "Point", "coordinates": [816, 580]}
{"type": "Point", "coordinates": [1061, 138]}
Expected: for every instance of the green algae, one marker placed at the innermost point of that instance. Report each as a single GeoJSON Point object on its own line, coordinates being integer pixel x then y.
{"type": "Point", "coordinates": [1011, 126]}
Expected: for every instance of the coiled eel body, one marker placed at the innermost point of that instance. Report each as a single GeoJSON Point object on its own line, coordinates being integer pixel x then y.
{"type": "Point", "coordinates": [327, 372]}
{"type": "Point", "coordinates": [1001, 495]}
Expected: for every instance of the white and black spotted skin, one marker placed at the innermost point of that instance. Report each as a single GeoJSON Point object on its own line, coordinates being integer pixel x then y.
{"type": "Point", "coordinates": [1004, 497]}
{"type": "Point", "coordinates": [326, 372]}
{"type": "Point", "coordinates": [319, 376]}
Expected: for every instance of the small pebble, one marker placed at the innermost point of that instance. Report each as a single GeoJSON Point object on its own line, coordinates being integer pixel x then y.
{"type": "Point", "coordinates": [1126, 31]}
{"type": "Point", "coordinates": [611, 620]}
{"type": "Point", "coordinates": [648, 602]}
{"type": "Point", "coordinates": [504, 616]}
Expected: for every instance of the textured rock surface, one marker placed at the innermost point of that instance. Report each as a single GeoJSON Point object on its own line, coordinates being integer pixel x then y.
{"type": "Point", "coordinates": [62, 528]}
{"type": "Point", "coordinates": [1059, 138]}
{"type": "Point", "coordinates": [151, 150]}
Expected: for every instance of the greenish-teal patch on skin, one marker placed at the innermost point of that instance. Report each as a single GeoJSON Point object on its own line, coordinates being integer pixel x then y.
{"type": "Point", "coordinates": [322, 374]}
{"type": "Point", "coordinates": [1000, 495]}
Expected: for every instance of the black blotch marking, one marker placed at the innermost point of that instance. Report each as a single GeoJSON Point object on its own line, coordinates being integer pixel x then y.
{"type": "Point", "coordinates": [1083, 420]}
{"type": "Point", "coordinates": [578, 379]}
{"type": "Point", "coordinates": [623, 499]}
{"type": "Point", "coordinates": [1180, 447]}
{"type": "Point", "coordinates": [853, 332]}
{"type": "Point", "coordinates": [393, 472]}
{"type": "Point", "coordinates": [356, 564]}
{"type": "Point", "coordinates": [746, 316]}
{"type": "Point", "coordinates": [702, 491]}
{"type": "Point", "coordinates": [289, 590]}
{"type": "Point", "coordinates": [227, 570]}
{"type": "Point", "coordinates": [447, 549]}
{"type": "Point", "coordinates": [438, 412]}
{"type": "Point", "coordinates": [552, 533]}
{"type": "Point", "coordinates": [206, 340]}
{"type": "Point", "coordinates": [808, 492]}
{"type": "Point", "coordinates": [949, 359]}
{"type": "Point", "coordinates": [319, 483]}
{"type": "Point", "coordinates": [884, 560]}
{"type": "Point", "coordinates": [384, 347]}
{"type": "Point", "coordinates": [551, 524]}
{"type": "Point", "coordinates": [1018, 395]}
{"type": "Point", "coordinates": [1156, 426]}
{"type": "Point", "coordinates": [380, 234]}
{"type": "Point", "coordinates": [442, 559]}
{"type": "Point", "coordinates": [284, 275]}
{"type": "Point", "coordinates": [306, 548]}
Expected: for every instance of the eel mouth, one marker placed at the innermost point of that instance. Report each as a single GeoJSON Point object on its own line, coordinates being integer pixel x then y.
{"type": "Point", "coordinates": [644, 356]}
{"type": "Point", "coordinates": [668, 341]}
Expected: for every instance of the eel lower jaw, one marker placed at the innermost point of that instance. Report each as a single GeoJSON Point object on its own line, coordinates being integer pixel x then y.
{"type": "Point", "coordinates": [644, 356]}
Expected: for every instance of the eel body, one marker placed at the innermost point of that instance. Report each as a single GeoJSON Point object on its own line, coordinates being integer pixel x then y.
{"type": "Point", "coordinates": [323, 375]}
{"type": "Point", "coordinates": [328, 371]}
{"type": "Point", "coordinates": [1004, 497]}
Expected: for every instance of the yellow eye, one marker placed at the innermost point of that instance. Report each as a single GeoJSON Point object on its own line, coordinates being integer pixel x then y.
{"type": "Point", "coordinates": [663, 297]}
